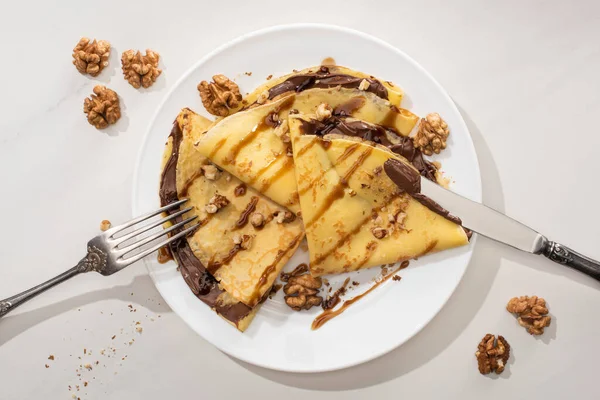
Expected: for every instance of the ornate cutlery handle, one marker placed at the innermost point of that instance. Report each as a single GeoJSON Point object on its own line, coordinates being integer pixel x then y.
{"type": "Point", "coordinates": [564, 255]}
{"type": "Point", "coordinates": [10, 303]}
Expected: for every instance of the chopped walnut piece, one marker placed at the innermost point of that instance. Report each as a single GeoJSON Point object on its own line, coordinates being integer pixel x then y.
{"type": "Point", "coordinates": [283, 217]}
{"type": "Point", "coordinates": [220, 95]}
{"type": "Point", "coordinates": [400, 219]}
{"type": "Point", "coordinates": [324, 111]}
{"type": "Point", "coordinates": [301, 292]}
{"type": "Point", "coordinates": [282, 131]}
{"type": "Point", "coordinates": [91, 57]}
{"type": "Point", "coordinates": [219, 200]}
{"type": "Point", "coordinates": [216, 203]}
{"type": "Point", "coordinates": [532, 313]}
{"type": "Point", "coordinates": [263, 97]}
{"type": "Point", "coordinates": [257, 220]}
{"type": "Point", "coordinates": [492, 354]}
{"type": "Point", "coordinates": [364, 85]}
{"type": "Point", "coordinates": [102, 108]}
{"type": "Point", "coordinates": [140, 70]}
{"type": "Point", "coordinates": [432, 134]}
{"type": "Point", "coordinates": [379, 233]}
{"type": "Point", "coordinates": [244, 241]}
{"type": "Point", "coordinates": [105, 225]}
{"type": "Point", "coordinates": [210, 172]}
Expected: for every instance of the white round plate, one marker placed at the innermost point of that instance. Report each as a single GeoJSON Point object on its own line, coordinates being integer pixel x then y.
{"type": "Point", "coordinates": [280, 338]}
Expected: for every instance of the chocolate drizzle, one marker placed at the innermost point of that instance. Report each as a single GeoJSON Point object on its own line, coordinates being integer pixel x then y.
{"type": "Point", "coordinates": [329, 314]}
{"type": "Point", "coordinates": [299, 270]}
{"type": "Point", "coordinates": [264, 278]}
{"type": "Point", "coordinates": [213, 266]}
{"type": "Point", "coordinates": [334, 299]}
{"type": "Point", "coordinates": [323, 78]}
{"type": "Point", "coordinates": [250, 207]}
{"type": "Point", "coordinates": [200, 281]}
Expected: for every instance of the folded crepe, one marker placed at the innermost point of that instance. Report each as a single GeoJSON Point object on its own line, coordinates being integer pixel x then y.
{"type": "Point", "coordinates": [253, 145]}
{"type": "Point", "coordinates": [354, 215]}
{"type": "Point", "coordinates": [228, 262]}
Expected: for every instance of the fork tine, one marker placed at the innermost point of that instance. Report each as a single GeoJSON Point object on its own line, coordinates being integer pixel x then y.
{"type": "Point", "coordinates": [150, 226]}
{"type": "Point", "coordinates": [144, 217]}
{"type": "Point", "coordinates": [137, 257]}
{"type": "Point", "coordinates": [128, 249]}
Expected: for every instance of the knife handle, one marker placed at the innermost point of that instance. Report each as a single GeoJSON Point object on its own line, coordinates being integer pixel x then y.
{"type": "Point", "coordinates": [563, 255]}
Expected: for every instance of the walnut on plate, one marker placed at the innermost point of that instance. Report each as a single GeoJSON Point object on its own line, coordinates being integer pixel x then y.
{"type": "Point", "coordinates": [532, 313]}
{"type": "Point", "coordinates": [102, 108]}
{"type": "Point", "coordinates": [302, 292]}
{"type": "Point", "coordinates": [432, 134]}
{"type": "Point", "coordinates": [90, 57]}
{"type": "Point", "coordinates": [492, 354]}
{"type": "Point", "coordinates": [140, 70]}
{"type": "Point", "coordinates": [220, 95]}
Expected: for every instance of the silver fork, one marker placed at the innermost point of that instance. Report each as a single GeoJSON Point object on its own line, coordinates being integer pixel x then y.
{"type": "Point", "coordinates": [106, 257]}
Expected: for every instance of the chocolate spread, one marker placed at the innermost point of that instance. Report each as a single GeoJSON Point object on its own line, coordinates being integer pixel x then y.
{"type": "Point", "coordinates": [409, 181]}
{"type": "Point", "coordinates": [379, 134]}
{"type": "Point", "coordinates": [325, 79]}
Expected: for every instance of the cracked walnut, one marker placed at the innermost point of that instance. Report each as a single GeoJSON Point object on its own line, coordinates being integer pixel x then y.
{"type": "Point", "coordinates": [302, 292]}
{"type": "Point", "coordinates": [216, 202]}
{"type": "Point", "coordinates": [140, 70]}
{"type": "Point", "coordinates": [492, 355]}
{"type": "Point", "coordinates": [102, 108]}
{"type": "Point", "coordinates": [532, 313]}
{"type": "Point", "coordinates": [91, 57]}
{"type": "Point", "coordinates": [432, 135]}
{"type": "Point", "coordinates": [220, 95]}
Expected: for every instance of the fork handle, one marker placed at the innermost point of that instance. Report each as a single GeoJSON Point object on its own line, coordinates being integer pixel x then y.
{"type": "Point", "coordinates": [10, 303]}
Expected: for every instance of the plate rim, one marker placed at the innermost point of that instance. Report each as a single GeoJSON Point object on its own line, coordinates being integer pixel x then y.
{"type": "Point", "coordinates": [272, 29]}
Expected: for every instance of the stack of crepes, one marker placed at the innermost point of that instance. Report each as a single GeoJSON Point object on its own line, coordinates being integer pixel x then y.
{"type": "Point", "coordinates": [307, 161]}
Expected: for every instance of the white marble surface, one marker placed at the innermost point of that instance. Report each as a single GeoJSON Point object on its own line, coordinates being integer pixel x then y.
{"type": "Point", "coordinates": [525, 77]}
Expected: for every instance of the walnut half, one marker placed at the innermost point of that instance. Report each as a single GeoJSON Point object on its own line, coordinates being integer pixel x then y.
{"type": "Point", "coordinates": [492, 354]}
{"type": "Point", "coordinates": [140, 70]}
{"type": "Point", "coordinates": [532, 313]}
{"type": "Point", "coordinates": [301, 292]}
{"type": "Point", "coordinates": [220, 95]}
{"type": "Point", "coordinates": [91, 57]}
{"type": "Point", "coordinates": [432, 134]}
{"type": "Point", "coordinates": [102, 108]}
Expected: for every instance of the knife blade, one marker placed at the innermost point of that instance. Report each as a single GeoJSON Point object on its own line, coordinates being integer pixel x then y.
{"type": "Point", "coordinates": [485, 220]}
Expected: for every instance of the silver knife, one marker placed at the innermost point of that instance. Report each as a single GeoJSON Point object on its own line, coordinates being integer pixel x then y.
{"type": "Point", "coordinates": [497, 226]}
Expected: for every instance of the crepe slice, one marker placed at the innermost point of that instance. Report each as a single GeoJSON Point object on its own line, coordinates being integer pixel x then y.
{"type": "Point", "coordinates": [354, 215]}
{"type": "Point", "coordinates": [240, 259]}
{"type": "Point", "coordinates": [254, 145]}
